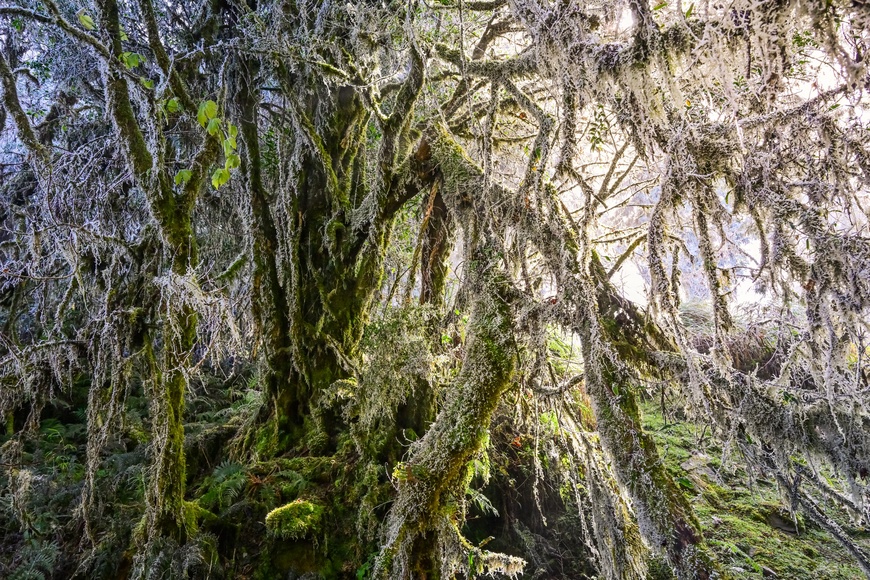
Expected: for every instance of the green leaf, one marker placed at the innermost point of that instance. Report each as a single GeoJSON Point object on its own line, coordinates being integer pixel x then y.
{"type": "Point", "coordinates": [689, 11]}
{"type": "Point", "coordinates": [183, 176]}
{"type": "Point", "coordinates": [219, 177]}
{"type": "Point", "coordinates": [173, 105]}
{"type": "Point", "coordinates": [147, 83]}
{"type": "Point", "coordinates": [229, 145]}
{"type": "Point", "coordinates": [211, 109]}
{"type": "Point", "coordinates": [87, 21]}
{"type": "Point", "coordinates": [132, 59]}
{"type": "Point", "coordinates": [214, 127]}
{"type": "Point", "coordinates": [207, 110]}
{"type": "Point", "coordinates": [200, 115]}
{"type": "Point", "coordinates": [124, 36]}
{"type": "Point", "coordinates": [685, 483]}
{"type": "Point", "coordinates": [234, 131]}
{"type": "Point", "coordinates": [660, 5]}
{"type": "Point", "coordinates": [232, 161]}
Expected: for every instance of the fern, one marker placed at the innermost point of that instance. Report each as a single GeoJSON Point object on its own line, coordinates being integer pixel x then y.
{"type": "Point", "coordinates": [481, 502]}
{"type": "Point", "coordinates": [224, 486]}
{"type": "Point", "coordinates": [38, 561]}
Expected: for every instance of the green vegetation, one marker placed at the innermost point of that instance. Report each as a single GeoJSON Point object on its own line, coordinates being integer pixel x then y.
{"type": "Point", "coordinates": [295, 520]}
{"type": "Point", "coordinates": [745, 516]}
{"type": "Point", "coordinates": [434, 290]}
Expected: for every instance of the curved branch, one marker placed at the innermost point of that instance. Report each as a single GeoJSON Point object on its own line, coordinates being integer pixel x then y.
{"type": "Point", "coordinates": [434, 474]}
{"type": "Point", "coordinates": [523, 64]}
{"type": "Point", "coordinates": [12, 104]}
{"type": "Point", "coordinates": [84, 37]}
{"type": "Point", "coordinates": [162, 57]}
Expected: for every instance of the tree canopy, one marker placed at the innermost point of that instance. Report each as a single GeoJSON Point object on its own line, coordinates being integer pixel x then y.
{"type": "Point", "coordinates": [303, 286]}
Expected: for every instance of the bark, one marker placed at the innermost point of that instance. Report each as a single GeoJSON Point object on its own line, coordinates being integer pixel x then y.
{"type": "Point", "coordinates": [173, 214]}
{"type": "Point", "coordinates": [432, 482]}
{"type": "Point", "coordinates": [317, 273]}
{"type": "Point", "coordinates": [331, 270]}
{"type": "Point", "coordinates": [435, 250]}
{"type": "Point", "coordinates": [12, 104]}
{"type": "Point", "coordinates": [616, 335]}
{"type": "Point", "coordinates": [269, 302]}
{"type": "Point", "coordinates": [665, 517]}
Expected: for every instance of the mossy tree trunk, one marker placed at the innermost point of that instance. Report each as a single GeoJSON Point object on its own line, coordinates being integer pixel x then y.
{"type": "Point", "coordinates": [269, 300]}
{"type": "Point", "coordinates": [665, 517]}
{"type": "Point", "coordinates": [432, 482]}
{"type": "Point", "coordinates": [172, 210]}
{"type": "Point", "coordinates": [435, 245]}
{"type": "Point", "coordinates": [616, 338]}
{"type": "Point", "coordinates": [435, 248]}
{"type": "Point", "coordinates": [320, 234]}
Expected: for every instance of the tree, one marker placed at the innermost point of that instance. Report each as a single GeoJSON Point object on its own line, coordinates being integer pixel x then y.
{"type": "Point", "coordinates": [361, 153]}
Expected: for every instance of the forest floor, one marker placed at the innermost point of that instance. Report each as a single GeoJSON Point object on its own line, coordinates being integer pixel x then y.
{"type": "Point", "coordinates": [745, 516]}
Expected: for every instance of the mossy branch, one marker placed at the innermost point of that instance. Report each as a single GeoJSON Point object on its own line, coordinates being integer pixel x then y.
{"type": "Point", "coordinates": [162, 57]}
{"type": "Point", "coordinates": [12, 104]}
{"type": "Point", "coordinates": [438, 463]}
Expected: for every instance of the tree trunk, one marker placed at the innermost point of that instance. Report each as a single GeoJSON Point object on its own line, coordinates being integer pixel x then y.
{"type": "Point", "coordinates": [173, 213]}
{"type": "Point", "coordinates": [320, 235]}
{"type": "Point", "coordinates": [665, 517]}
{"type": "Point", "coordinates": [432, 482]}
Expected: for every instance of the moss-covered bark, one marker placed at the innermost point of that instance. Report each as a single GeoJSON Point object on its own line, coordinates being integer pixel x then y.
{"type": "Point", "coordinates": [618, 335]}
{"type": "Point", "coordinates": [166, 491]}
{"type": "Point", "coordinates": [173, 214]}
{"type": "Point", "coordinates": [615, 337]}
{"type": "Point", "coordinates": [269, 301]}
{"type": "Point", "coordinates": [316, 273]}
{"type": "Point", "coordinates": [435, 249]}
{"type": "Point", "coordinates": [330, 270]}
{"type": "Point", "coordinates": [665, 517]}
{"type": "Point", "coordinates": [432, 482]}
{"type": "Point", "coordinates": [11, 103]}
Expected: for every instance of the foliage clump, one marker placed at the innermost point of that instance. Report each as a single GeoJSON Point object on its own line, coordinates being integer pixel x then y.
{"type": "Point", "coordinates": [295, 520]}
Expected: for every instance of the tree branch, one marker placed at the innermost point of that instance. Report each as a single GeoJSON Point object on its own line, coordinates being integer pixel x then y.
{"type": "Point", "coordinates": [19, 117]}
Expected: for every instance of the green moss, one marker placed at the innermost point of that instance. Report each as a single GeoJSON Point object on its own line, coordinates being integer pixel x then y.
{"type": "Point", "coordinates": [297, 519]}
{"type": "Point", "coordinates": [194, 516]}
{"type": "Point", "coordinates": [658, 569]}
{"type": "Point", "coordinates": [266, 441]}
{"type": "Point", "coordinates": [295, 557]}
{"type": "Point", "coordinates": [748, 529]}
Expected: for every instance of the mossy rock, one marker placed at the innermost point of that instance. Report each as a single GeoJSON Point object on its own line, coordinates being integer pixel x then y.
{"type": "Point", "coordinates": [295, 520]}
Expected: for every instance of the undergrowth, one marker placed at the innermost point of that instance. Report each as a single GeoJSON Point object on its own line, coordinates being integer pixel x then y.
{"type": "Point", "coordinates": [744, 516]}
